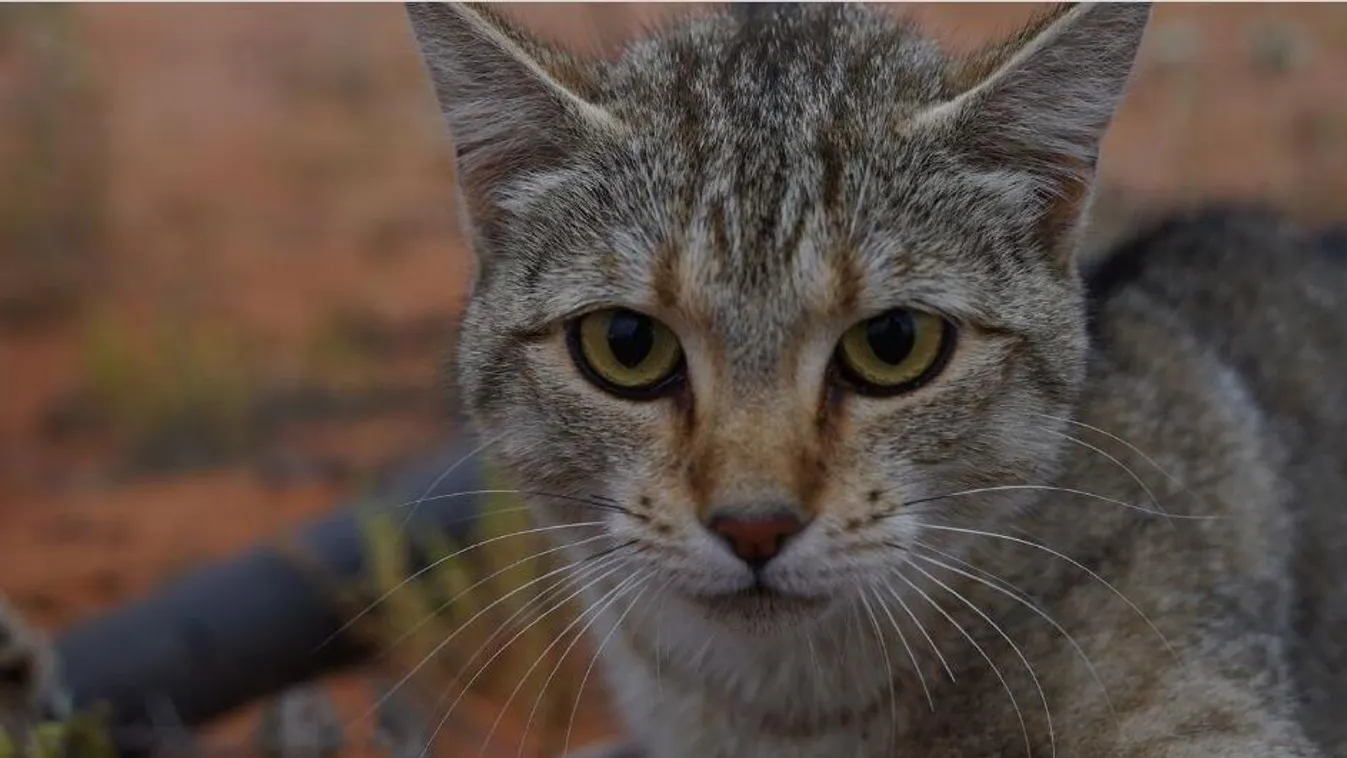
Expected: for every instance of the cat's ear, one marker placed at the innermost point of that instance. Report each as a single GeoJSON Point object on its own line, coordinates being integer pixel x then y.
{"type": "Point", "coordinates": [513, 105]}
{"type": "Point", "coordinates": [1039, 104]}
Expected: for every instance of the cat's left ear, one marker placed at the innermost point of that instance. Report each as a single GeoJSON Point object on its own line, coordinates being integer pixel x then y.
{"type": "Point", "coordinates": [1039, 105]}
{"type": "Point", "coordinates": [515, 106]}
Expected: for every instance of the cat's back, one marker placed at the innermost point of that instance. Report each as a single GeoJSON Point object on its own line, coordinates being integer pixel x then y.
{"type": "Point", "coordinates": [1270, 298]}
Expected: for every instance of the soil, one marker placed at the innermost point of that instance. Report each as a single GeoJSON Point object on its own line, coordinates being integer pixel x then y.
{"type": "Point", "coordinates": [252, 206]}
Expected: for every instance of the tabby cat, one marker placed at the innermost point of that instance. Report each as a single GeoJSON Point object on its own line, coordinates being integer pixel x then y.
{"type": "Point", "coordinates": [779, 315]}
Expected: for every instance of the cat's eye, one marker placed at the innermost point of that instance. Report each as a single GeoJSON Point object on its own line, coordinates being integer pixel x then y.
{"type": "Point", "coordinates": [894, 352]}
{"type": "Point", "coordinates": [626, 353]}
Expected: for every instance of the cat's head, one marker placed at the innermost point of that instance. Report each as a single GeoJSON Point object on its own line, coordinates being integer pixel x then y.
{"type": "Point", "coordinates": [766, 283]}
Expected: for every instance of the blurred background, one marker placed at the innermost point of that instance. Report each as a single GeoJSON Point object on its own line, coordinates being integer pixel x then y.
{"type": "Point", "coordinates": [229, 264]}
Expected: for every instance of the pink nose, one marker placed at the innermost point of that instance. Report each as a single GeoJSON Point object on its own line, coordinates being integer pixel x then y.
{"type": "Point", "coordinates": [756, 540]}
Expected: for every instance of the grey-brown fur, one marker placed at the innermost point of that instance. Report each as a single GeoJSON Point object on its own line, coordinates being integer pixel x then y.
{"type": "Point", "coordinates": [760, 182]}
{"type": "Point", "coordinates": [29, 691]}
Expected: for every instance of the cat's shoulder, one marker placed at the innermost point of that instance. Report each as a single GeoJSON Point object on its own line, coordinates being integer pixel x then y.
{"type": "Point", "coordinates": [1214, 250]}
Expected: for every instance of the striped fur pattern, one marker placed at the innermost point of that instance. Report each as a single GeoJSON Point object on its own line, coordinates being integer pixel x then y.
{"type": "Point", "coordinates": [1083, 538]}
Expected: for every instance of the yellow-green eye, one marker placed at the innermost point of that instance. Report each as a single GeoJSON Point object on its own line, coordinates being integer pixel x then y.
{"type": "Point", "coordinates": [625, 352]}
{"type": "Point", "coordinates": [895, 351]}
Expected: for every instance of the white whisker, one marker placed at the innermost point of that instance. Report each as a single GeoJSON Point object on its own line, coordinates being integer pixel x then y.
{"type": "Point", "coordinates": [588, 502]}
{"type": "Point", "coordinates": [911, 654]}
{"type": "Point", "coordinates": [1064, 490]}
{"type": "Point", "coordinates": [464, 593]}
{"type": "Point", "coordinates": [593, 613]}
{"type": "Point", "coordinates": [1014, 704]}
{"type": "Point", "coordinates": [594, 659]}
{"type": "Point", "coordinates": [920, 627]}
{"type": "Point", "coordinates": [501, 650]}
{"type": "Point", "coordinates": [1089, 664]}
{"type": "Point", "coordinates": [445, 475]}
{"type": "Point", "coordinates": [1047, 713]}
{"type": "Point", "coordinates": [1144, 487]}
{"type": "Point", "coordinates": [440, 561]}
{"type": "Point", "coordinates": [889, 672]}
{"type": "Point", "coordinates": [1173, 479]}
{"type": "Point", "coordinates": [1062, 556]}
{"type": "Point", "coordinates": [583, 565]}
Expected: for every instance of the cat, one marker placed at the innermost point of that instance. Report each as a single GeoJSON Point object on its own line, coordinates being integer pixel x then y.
{"type": "Point", "coordinates": [30, 688]}
{"type": "Point", "coordinates": [778, 315]}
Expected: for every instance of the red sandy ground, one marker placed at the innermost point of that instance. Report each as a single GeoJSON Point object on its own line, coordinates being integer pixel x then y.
{"type": "Point", "coordinates": [247, 190]}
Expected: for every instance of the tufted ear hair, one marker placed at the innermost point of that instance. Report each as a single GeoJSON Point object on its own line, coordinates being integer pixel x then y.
{"type": "Point", "coordinates": [1039, 104]}
{"type": "Point", "coordinates": [514, 106]}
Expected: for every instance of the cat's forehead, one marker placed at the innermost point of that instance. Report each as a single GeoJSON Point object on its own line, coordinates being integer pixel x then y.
{"type": "Point", "coordinates": [758, 140]}
{"type": "Point", "coordinates": [761, 188]}
{"type": "Point", "coordinates": [779, 78]}
{"type": "Point", "coordinates": [759, 136]}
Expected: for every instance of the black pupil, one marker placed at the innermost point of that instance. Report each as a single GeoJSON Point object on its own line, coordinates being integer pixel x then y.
{"type": "Point", "coordinates": [630, 337]}
{"type": "Point", "coordinates": [891, 336]}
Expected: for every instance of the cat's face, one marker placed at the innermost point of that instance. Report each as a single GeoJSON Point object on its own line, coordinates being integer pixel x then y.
{"type": "Point", "coordinates": [769, 293]}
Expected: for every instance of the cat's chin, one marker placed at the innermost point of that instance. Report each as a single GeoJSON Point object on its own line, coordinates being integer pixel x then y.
{"type": "Point", "coordinates": [761, 606]}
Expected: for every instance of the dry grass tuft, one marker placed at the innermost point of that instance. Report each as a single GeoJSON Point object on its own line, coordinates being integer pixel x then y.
{"type": "Point", "coordinates": [172, 394]}
{"type": "Point", "coordinates": [53, 157]}
{"type": "Point", "coordinates": [81, 736]}
{"type": "Point", "coordinates": [482, 622]}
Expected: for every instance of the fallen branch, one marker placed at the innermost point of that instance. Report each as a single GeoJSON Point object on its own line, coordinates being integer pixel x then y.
{"type": "Point", "coordinates": [250, 627]}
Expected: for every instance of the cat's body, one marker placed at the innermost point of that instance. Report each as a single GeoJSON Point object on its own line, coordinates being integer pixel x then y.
{"type": "Point", "coordinates": [784, 308]}
{"type": "Point", "coordinates": [1267, 301]}
{"type": "Point", "coordinates": [1245, 413]}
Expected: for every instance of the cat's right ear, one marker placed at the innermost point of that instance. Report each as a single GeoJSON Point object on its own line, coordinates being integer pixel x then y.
{"type": "Point", "coordinates": [513, 105]}
{"type": "Point", "coordinates": [1038, 105]}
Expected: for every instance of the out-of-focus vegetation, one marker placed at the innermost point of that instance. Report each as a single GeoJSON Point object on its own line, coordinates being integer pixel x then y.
{"type": "Point", "coordinates": [53, 165]}
{"type": "Point", "coordinates": [495, 615]}
{"type": "Point", "coordinates": [81, 736]}
{"type": "Point", "coordinates": [174, 395]}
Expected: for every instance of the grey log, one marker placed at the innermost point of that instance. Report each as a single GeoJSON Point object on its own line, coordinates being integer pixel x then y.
{"type": "Point", "coordinates": [248, 627]}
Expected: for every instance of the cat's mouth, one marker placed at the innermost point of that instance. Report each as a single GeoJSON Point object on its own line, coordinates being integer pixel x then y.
{"type": "Point", "coordinates": [762, 599]}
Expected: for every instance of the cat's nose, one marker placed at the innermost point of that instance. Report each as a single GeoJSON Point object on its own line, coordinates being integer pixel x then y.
{"type": "Point", "coordinates": [756, 538]}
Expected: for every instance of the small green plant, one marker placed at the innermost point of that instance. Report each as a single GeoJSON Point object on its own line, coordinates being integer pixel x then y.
{"type": "Point", "coordinates": [81, 736]}
{"type": "Point", "coordinates": [181, 390]}
{"type": "Point", "coordinates": [53, 157]}
{"type": "Point", "coordinates": [493, 603]}
{"type": "Point", "coordinates": [337, 352]}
